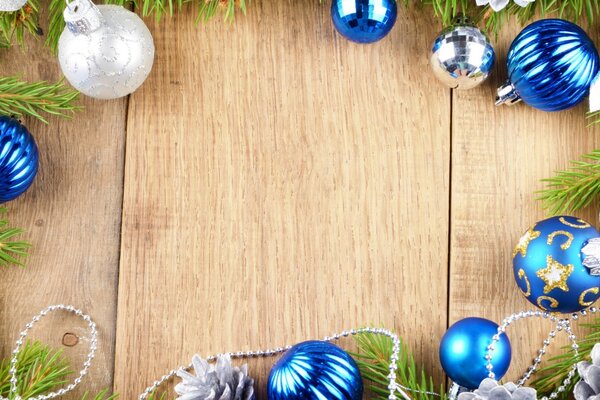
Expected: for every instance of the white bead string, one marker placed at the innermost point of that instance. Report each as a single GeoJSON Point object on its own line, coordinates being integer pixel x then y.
{"type": "Point", "coordinates": [19, 343]}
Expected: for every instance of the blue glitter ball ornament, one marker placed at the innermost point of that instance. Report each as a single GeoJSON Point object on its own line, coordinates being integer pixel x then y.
{"type": "Point", "coordinates": [551, 65]}
{"type": "Point", "coordinates": [464, 347]}
{"type": "Point", "coordinates": [364, 21]}
{"type": "Point", "coordinates": [315, 370]}
{"type": "Point", "coordinates": [18, 159]}
{"type": "Point", "coordinates": [548, 267]}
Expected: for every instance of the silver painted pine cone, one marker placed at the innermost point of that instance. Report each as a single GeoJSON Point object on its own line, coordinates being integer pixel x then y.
{"type": "Point", "coordinates": [219, 381]}
{"type": "Point", "coordinates": [588, 388]}
{"type": "Point", "coordinates": [489, 389]}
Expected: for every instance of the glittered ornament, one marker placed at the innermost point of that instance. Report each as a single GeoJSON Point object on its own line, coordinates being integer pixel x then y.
{"type": "Point", "coordinates": [18, 159]}
{"type": "Point", "coordinates": [464, 348]}
{"type": "Point", "coordinates": [489, 389]}
{"type": "Point", "coordinates": [551, 65]}
{"type": "Point", "coordinates": [462, 56]}
{"type": "Point", "coordinates": [315, 370]}
{"type": "Point", "coordinates": [364, 21]}
{"type": "Point", "coordinates": [105, 51]}
{"type": "Point", "coordinates": [548, 265]}
{"type": "Point", "coordinates": [11, 5]}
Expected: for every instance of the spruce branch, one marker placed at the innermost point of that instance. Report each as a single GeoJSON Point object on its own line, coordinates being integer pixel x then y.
{"type": "Point", "coordinates": [575, 188]}
{"type": "Point", "coordinates": [24, 98]}
{"type": "Point", "coordinates": [11, 250]}
{"type": "Point", "coordinates": [373, 360]}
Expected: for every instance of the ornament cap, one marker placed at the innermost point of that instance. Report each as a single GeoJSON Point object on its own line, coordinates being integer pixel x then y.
{"type": "Point", "coordinates": [507, 94]}
{"type": "Point", "coordinates": [82, 17]}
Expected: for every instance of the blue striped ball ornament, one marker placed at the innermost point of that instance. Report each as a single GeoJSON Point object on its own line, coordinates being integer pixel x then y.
{"type": "Point", "coordinates": [315, 370]}
{"type": "Point", "coordinates": [18, 159]}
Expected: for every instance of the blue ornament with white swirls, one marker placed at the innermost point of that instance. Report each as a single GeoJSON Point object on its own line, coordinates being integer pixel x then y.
{"type": "Point", "coordinates": [551, 65]}
{"type": "Point", "coordinates": [464, 347]}
{"type": "Point", "coordinates": [364, 21]}
{"type": "Point", "coordinates": [18, 159]}
{"type": "Point", "coordinates": [315, 370]}
{"type": "Point", "coordinates": [548, 265]}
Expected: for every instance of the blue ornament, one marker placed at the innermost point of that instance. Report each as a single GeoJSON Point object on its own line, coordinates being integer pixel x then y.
{"type": "Point", "coordinates": [364, 21]}
{"type": "Point", "coordinates": [315, 370]}
{"type": "Point", "coordinates": [548, 268]}
{"type": "Point", "coordinates": [18, 159]}
{"type": "Point", "coordinates": [551, 65]}
{"type": "Point", "coordinates": [464, 347]}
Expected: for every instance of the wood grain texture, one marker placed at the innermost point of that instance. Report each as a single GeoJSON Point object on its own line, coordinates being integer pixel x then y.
{"type": "Point", "coordinates": [499, 155]}
{"type": "Point", "coordinates": [281, 183]}
{"type": "Point", "coordinates": [72, 216]}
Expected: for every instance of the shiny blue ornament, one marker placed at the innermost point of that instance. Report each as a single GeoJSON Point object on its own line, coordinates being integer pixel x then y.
{"type": "Point", "coordinates": [464, 347]}
{"type": "Point", "coordinates": [315, 370]}
{"type": "Point", "coordinates": [547, 265]}
{"type": "Point", "coordinates": [364, 21]}
{"type": "Point", "coordinates": [551, 65]}
{"type": "Point", "coordinates": [18, 159]}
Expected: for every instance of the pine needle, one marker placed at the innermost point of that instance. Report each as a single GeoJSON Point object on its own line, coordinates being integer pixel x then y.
{"type": "Point", "coordinates": [20, 98]}
{"type": "Point", "coordinates": [373, 360]}
{"type": "Point", "coordinates": [573, 189]}
{"type": "Point", "coordinates": [11, 251]}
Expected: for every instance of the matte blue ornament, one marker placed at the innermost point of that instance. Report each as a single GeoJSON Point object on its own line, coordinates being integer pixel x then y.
{"type": "Point", "coordinates": [18, 159]}
{"type": "Point", "coordinates": [464, 347]}
{"type": "Point", "coordinates": [364, 21]}
{"type": "Point", "coordinates": [551, 65]}
{"type": "Point", "coordinates": [548, 267]}
{"type": "Point", "coordinates": [315, 370]}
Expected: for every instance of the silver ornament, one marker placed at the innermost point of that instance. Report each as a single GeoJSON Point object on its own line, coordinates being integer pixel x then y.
{"type": "Point", "coordinates": [489, 389]}
{"type": "Point", "coordinates": [105, 51]}
{"type": "Point", "coordinates": [588, 388]}
{"type": "Point", "coordinates": [462, 56]}
{"type": "Point", "coordinates": [11, 5]}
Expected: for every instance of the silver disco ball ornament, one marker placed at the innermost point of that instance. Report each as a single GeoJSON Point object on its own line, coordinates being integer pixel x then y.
{"type": "Point", "coordinates": [462, 56]}
{"type": "Point", "coordinates": [105, 51]}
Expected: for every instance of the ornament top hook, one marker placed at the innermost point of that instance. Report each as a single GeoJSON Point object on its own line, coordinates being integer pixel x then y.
{"type": "Point", "coordinates": [82, 16]}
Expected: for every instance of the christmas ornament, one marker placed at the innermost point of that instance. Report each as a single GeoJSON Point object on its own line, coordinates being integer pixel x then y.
{"type": "Point", "coordinates": [364, 21]}
{"type": "Point", "coordinates": [588, 388]}
{"type": "Point", "coordinates": [105, 51]}
{"type": "Point", "coordinates": [18, 159]}
{"type": "Point", "coordinates": [220, 381]}
{"type": "Point", "coordinates": [462, 56]}
{"type": "Point", "coordinates": [551, 65]}
{"type": "Point", "coordinates": [315, 370]}
{"type": "Point", "coordinates": [11, 5]}
{"type": "Point", "coordinates": [594, 98]}
{"type": "Point", "coordinates": [548, 265]}
{"type": "Point", "coordinates": [489, 389]}
{"type": "Point", "coordinates": [498, 5]}
{"type": "Point", "coordinates": [463, 351]}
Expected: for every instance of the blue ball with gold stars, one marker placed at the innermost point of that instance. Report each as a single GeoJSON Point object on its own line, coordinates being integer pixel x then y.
{"type": "Point", "coordinates": [548, 265]}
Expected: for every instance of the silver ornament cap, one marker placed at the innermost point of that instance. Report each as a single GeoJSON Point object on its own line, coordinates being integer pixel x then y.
{"type": "Point", "coordinates": [462, 56]}
{"type": "Point", "coordinates": [82, 17]}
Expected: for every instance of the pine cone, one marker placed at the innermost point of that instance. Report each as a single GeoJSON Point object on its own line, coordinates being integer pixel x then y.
{"type": "Point", "coordinates": [589, 385]}
{"type": "Point", "coordinates": [489, 389]}
{"type": "Point", "coordinates": [219, 381]}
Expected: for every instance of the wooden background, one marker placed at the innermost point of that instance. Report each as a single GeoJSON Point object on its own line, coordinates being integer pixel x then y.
{"type": "Point", "coordinates": [273, 182]}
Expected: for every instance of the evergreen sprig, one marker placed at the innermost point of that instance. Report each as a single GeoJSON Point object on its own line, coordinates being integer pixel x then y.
{"type": "Point", "coordinates": [11, 251]}
{"type": "Point", "coordinates": [373, 360]}
{"type": "Point", "coordinates": [20, 98]}
{"type": "Point", "coordinates": [574, 188]}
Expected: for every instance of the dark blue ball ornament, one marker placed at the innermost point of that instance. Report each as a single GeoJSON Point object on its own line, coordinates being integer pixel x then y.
{"type": "Point", "coordinates": [315, 370]}
{"type": "Point", "coordinates": [464, 347]}
{"type": "Point", "coordinates": [18, 159]}
{"type": "Point", "coordinates": [548, 265]}
{"type": "Point", "coordinates": [551, 65]}
{"type": "Point", "coordinates": [364, 21]}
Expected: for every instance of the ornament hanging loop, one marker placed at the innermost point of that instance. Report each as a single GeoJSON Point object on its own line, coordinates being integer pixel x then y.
{"type": "Point", "coordinates": [82, 16]}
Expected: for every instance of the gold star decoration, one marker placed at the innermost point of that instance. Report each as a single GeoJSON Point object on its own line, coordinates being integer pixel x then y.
{"type": "Point", "coordinates": [555, 275]}
{"type": "Point", "coordinates": [524, 242]}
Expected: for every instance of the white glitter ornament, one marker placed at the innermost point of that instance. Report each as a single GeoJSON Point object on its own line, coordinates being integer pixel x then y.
{"type": "Point", "coordinates": [11, 5]}
{"type": "Point", "coordinates": [106, 51]}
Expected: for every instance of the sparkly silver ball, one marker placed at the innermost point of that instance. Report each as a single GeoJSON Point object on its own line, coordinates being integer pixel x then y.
{"type": "Point", "coordinates": [462, 56]}
{"type": "Point", "coordinates": [11, 5]}
{"type": "Point", "coordinates": [106, 51]}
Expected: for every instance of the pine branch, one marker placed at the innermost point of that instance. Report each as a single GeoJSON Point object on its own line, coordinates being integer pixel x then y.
{"type": "Point", "coordinates": [11, 251]}
{"type": "Point", "coordinates": [575, 188]}
{"type": "Point", "coordinates": [20, 98]}
{"type": "Point", "coordinates": [373, 359]}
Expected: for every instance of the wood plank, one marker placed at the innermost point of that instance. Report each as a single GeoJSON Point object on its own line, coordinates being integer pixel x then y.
{"type": "Point", "coordinates": [499, 155]}
{"type": "Point", "coordinates": [281, 184]}
{"type": "Point", "coordinates": [72, 215]}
